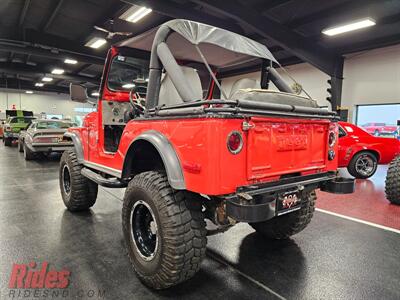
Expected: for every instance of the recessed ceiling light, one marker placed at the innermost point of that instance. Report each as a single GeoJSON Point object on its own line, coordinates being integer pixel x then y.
{"type": "Point", "coordinates": [95, 94]}
{"type": "Point", "coordinates": [95, 42]}
{"type": "Point", "coordinates": [28, 92]}
{"type": "Point", "coordinates": [47, 79]}
{"type": "Point", "coordinates": [39, 84]}
{"type": "Point", "coordinates": [128, 86]}
{"type": "Point", "coordinates": [57, 71]}
{"type": "Point", "coordinates": [349, 27]}
{"type": "Point", "coordinates": [135, 13]}
{"type": "Point", "coordinates": [70, 61]}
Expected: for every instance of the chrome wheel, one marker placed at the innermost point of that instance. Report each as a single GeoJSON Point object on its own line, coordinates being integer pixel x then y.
{"type": "Point", "coordinates": [365, 165]}
{"type": "Point", "coordinates": [66, 179]}
{"type": "Point", "coordinates": [144, 230]}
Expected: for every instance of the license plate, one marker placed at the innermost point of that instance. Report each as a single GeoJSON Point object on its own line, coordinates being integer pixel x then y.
{"type": "Point", "coordinates": [288, 202]}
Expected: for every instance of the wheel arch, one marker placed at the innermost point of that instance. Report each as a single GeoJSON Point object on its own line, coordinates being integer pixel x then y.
{"type": "Point", "coordinates": [77, 145]}
{"type": "Point", "coordinates": [151, 150]}
{"type": "Point", "coordinates": [373, 151]}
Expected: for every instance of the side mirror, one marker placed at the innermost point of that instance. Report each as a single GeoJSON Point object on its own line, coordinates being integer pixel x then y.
{"type": "Point", "coordinates": [78, 92]}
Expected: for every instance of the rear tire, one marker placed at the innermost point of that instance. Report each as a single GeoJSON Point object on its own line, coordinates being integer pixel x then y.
{"type": "Point", "coordinates": [7, 142]}
{"type": "Point", "coordinates": [363, 165]}
{"type": "Point", "coordinates": [28, 153]}
{"type": "Point", "coordinates": [20, 146]}
{"type": "Point", "coordinates": [285, 226]}
{"type": "Point", "coordinates": [78, 192]}
{"type": "Point", "coordinates": [392, 183]}
{"type": "Point", "coordinates": [172, 251]}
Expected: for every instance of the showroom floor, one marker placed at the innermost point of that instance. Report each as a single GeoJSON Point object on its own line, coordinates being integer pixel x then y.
{"type": "Point", "coordinates": [333, 258]}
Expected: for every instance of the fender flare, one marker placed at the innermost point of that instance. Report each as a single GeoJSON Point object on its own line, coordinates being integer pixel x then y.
{"type": "Point", "coordinates": [168, 155]}
{"type": "Point", "coordinates": [77, 145]}
{"type": "Point", "coordinates": [366, 148]}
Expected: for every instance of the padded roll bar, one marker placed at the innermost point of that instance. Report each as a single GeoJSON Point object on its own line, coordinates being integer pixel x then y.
{"type": "Point", "coordinates": [161, 57]}
{"type": "Point", "coordinates": [179, 80]}
{"type": "Point", "coordinates": [278, 81]}
{"type": "Point", "coordinates": [153, 87]}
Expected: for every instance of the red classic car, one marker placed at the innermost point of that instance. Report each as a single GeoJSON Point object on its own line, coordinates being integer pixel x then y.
{"type": "Point", "coordinates": [361, 152]}
{"type": "Point", "coordinates": [378, 129]}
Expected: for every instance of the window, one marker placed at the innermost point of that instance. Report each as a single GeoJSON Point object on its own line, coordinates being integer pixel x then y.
{"type": "Point", "coordinates": [342, 133]}
{"type": "Point", "coordinates": [53, 125]}
{"type": "Point", "coordinates": [84, 109]}
{"type": "Point", "coordinates": [21, 120]}
{"type": "Point", "coordinates": [127, 72]}
{"type": "Point", "coordinates": [379, 120]}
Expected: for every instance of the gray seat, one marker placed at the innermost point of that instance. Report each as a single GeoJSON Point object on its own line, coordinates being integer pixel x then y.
{"type": "Point", "coordinates": [168, 93]}
{"type": "Point", "coordinates": [244, 83]}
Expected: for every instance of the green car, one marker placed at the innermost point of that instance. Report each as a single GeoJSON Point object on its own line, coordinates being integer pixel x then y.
{"type": "Point", "coordinates": [17, 120]}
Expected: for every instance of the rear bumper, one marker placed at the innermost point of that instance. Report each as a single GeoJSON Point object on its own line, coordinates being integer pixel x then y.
{"type": "Point", "coordinates": [259, 203]}
{"type": "Point", "coordinates": [36, 147]}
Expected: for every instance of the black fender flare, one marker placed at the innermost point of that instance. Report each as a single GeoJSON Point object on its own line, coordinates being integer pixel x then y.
{"type": "Point", "coordinates": [77, 145]}
{"type": "Point", "coordinates": [167, 153]}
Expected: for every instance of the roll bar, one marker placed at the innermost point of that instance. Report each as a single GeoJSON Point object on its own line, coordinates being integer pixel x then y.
{"type": "Point", "coordinates": [161, 56]}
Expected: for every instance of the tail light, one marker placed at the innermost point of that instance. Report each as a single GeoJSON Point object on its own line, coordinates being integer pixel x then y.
{"type": "Point", "coordinates": [332, 139]}
{"type": "Point", "coordinates": [40, 139]}
{"type": "Point", "coordinates": [235, 142]}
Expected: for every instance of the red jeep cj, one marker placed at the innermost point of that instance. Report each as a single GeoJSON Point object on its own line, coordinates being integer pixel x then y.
{"type": "Point", "coordinates": [255, 156]}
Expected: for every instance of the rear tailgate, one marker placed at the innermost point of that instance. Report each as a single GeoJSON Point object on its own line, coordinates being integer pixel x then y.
{"type": "Point", "coordinates": [277, 147]}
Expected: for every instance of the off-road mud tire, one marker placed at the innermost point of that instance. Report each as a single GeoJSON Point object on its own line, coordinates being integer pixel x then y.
{"type": "Point", "coordinates": [285, 226]}
{"type": "Point", "coordinates": [83, 192]}
{"type": "Point", "coordinates": [181, 234]}
{"type": "Point", "coordinates": [392, 183]}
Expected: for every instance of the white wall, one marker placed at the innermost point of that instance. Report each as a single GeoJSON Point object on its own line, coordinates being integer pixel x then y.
{"type": "Point", "coordinates": [49, 103]}
{"type": "Point", "coordinates": [370, 77]}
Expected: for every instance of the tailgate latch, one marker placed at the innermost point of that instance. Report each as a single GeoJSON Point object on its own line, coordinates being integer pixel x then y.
{"type": "Point", "coordinates": [247, 126]}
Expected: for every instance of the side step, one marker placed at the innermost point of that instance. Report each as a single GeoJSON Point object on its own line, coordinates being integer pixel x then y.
{"type": "Point", "coordinates": [100, 180]}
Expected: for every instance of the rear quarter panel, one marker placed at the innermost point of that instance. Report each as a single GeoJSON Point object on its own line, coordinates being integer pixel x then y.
{"type": "Point", "coordinates": [354, 142]}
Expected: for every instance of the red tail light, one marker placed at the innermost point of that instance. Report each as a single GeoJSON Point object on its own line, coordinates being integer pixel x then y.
{"type": "Point", "coordinates": [331, 139]}
{"type": "Point", "coordinates": [235, 142]}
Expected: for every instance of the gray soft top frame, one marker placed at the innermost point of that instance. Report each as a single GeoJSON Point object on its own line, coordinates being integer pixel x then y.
{"type": "Point", "coordinates": [175, 36]}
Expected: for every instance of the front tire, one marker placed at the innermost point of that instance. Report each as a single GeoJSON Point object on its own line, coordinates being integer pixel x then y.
{"type": "Point", "coordinates": [392, 183]}
{"type": "Point", "coordinates": [164, 231]}
{"type": "Point", "coordinates": [285, 226]}
{"type": "Point", "coordinates": [363, 165]}
{"type": "Point", "coordinates": [78, 192]}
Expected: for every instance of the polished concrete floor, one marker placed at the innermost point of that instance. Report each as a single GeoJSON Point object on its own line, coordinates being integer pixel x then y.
{"type": "Point", "coordinates": [333, 258]}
